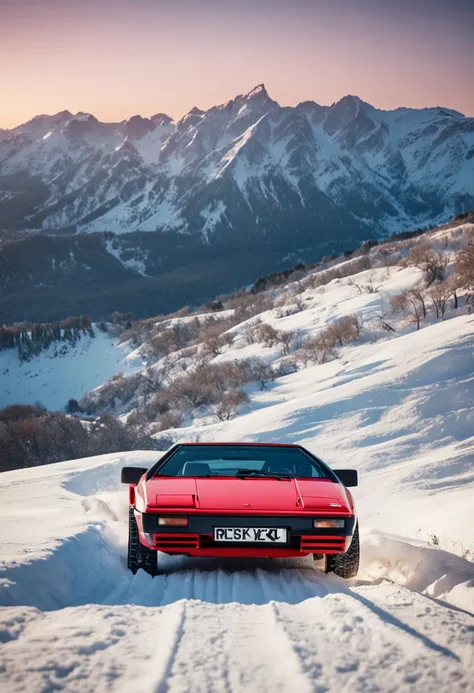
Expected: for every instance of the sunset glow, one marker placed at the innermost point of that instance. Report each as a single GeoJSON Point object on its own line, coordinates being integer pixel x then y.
{"type": "Point", "coordinates": [115, 58]}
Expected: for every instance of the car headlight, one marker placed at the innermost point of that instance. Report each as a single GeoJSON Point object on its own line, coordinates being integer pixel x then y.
{"type": "Point", "coordinates": [173, 521]}
{"type": "Point", "coordinates": [326, 524]}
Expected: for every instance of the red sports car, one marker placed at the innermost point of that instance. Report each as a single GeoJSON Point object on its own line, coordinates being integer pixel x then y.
{"type": "Point", "coordinates": [242, 500]}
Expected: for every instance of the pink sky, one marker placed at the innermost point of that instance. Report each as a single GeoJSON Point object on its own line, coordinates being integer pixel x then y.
{"type": "Point", "coordinates": [116, 58]}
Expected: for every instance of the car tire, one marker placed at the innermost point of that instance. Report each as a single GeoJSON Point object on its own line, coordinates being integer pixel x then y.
{"type": "Point", "coordinates": [345, 565]}
{"type": "Point", "coordinates": [139, 556]}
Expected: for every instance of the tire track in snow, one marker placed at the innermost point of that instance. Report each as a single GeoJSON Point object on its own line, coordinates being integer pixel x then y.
{"type": "Point", "coordinates": [167, 662]}
{"type": "Point", "coordinates": [229, 646]}
{"type": "Point", "coordinates": [95, 648]}
{"type": "Point", "coordinates": [441, 623]}
{"type": "Point", "coordinates": [348, 645]}
{"type": "Point", "coordinates": [341, 639]}
{"type": "Point", "coordinates": [234, 648]}
{"type": "Point", "coordinates": [302, 680]}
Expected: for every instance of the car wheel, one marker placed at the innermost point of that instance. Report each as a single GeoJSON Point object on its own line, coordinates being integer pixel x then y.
{"type": "Point", "coordinates": [346, 565]}
{"type": "Point", "coordinates": [139, 556]}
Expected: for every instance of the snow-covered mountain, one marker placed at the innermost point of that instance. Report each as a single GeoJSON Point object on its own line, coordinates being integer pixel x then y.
{"type": "Point", "coordinates": [249, 180]}
{"type": "Point", "coordinates": [247, 166]}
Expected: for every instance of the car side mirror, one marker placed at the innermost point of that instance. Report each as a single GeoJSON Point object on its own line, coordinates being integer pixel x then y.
{"type": "Point", "coordinates": [348, 477]}
{"type": "Point", "coordinates": [132, 475]}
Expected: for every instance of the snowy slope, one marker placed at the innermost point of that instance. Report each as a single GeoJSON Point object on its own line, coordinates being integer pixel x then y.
{"type": "Point", "coordinates": [74, 618]}
{"type": "Point", "coordinates": [396, 406]}
{"type": "Point", "coordinates": [62, 371]}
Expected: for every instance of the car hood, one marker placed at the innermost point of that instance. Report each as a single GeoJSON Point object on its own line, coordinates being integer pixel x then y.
{"type": "Point", "coordinates": [247, 495]}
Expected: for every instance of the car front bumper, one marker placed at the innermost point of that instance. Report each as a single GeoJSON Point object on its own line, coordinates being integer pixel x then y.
{"type": "Point", "coordinates": [198, 538]}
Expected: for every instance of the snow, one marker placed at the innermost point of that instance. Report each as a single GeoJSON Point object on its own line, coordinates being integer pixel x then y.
{"type": "Point", "coordinates": [73, 618]}
{"type": "Point", "coordinates": [212, 214]}
{"type": "Point", "coordinates": [149, 146]}
{"type": "Point", "coordinates": [430, 570]}
{"type": "Point", "coordinates": [63, 371]}
{"type": "Point", "coordinates": [165, 214]}
{"type": "Point", "coordinates": [253, 142]}
{"type": "Point", "coordinates": [397, 407]}
{"type": "Point", "coordinates": [136, 263]}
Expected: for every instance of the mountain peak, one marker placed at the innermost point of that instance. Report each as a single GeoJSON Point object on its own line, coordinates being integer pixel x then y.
{"type": "Point", "coordinates": [81, 116]}
{"type": "Point", "coordinates": [56, 117]}
{"type": "Point", "coordinates": [161, 119]}
{"type": "Point", "coordinates": [344, 111]}
{"type": "Point", "coordinates": [258, 92]}
{"type": "Point", "coordinates": [137, 126]}
{"type": "Point", "coordinates": [64, 114]}
{"type": "Point", "coordinates": [354, 102]}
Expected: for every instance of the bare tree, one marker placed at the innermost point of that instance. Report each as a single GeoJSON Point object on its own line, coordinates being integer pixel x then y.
{"type": "Point", "coordinates": [299, 339]}
{"type": "Point", "coordinates": [163, 343]}
{"type": "Point", "coordinates": [319, 349]}
{"type": "Point", "coordinates": [357, 285]}
{"type": "Point", "coordinates": [431, 263]}
{"type": "Point", "coordinates": [215, 340]}
{"type": "Point", "coordinates": [464, 271]}
{"type": "Point", "coordinates": [229, 403]}
{"type": "Point", "coordinates": [256, 369]}
{"type": "Point", "coordinates": [247, 305]}
{"type": "Point", "coordinates": [169, 419]}
{"type": "Point", "coordinates": [455, 284]}
{"type": "Point", "coordinates": [299, 301]}
{"type": "Point", "coordinates": [286, 367]}
{"type": "Point", "coordinates": [31, 436]}
{"type": "Point", "coordinates": [417, 293]}
{"type": "Point", "coordinates": [267, 334]}
{"type": "Point", "coordinates": [285, 340]}
{"type": "Point", "coordinates": [439, 294]}
{"type": "Point", "coordinates": [346, 329]}
{"type": "Point", "coordinates": [398, 302]}
{"type": "Point", "coordinates": [358, 323]}
{"type": "Point", "coordinates": [410, 300]}
{"type": "Point", "coordinates": [193, 390]}
{"type": "Point", "coordinates": [250, 334]}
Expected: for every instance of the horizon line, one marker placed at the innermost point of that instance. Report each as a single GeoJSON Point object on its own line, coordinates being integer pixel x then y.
{"type": "Point", "coordinates": [260, 86]}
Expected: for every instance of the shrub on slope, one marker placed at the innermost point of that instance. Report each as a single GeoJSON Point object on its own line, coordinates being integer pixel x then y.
{"type": "Point", "coordinates": [31, 435]}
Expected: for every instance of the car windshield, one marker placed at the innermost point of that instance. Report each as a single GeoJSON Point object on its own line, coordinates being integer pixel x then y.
{"type": "Point", "coordinates": [244, 461]}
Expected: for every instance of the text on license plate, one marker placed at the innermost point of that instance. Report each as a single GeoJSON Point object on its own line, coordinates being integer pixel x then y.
{"type": "Point", "coordinates": [271, 535]}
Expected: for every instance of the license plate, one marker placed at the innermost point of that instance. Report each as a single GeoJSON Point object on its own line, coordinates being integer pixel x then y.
{"type": "Point", "coordinates": [259, 535]}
